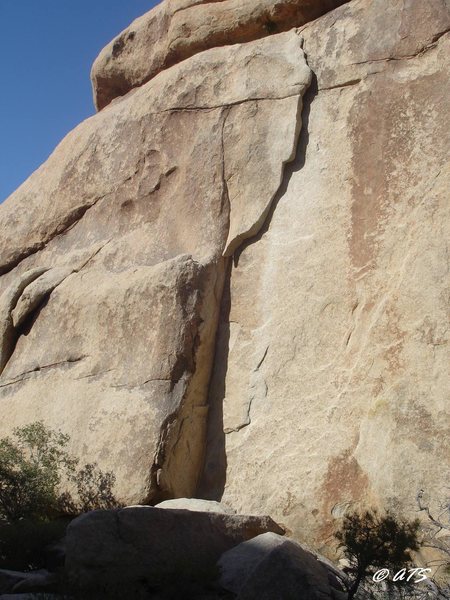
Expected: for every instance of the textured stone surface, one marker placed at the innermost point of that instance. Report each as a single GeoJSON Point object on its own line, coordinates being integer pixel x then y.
{"type": "Point", "coordinates": [8, 301]}
{"type": "Point", "coordinates": [30, 581]}
{"type": "Point", "coordinates": [331, 369]}
{"type": "Point", "coordinates": [145, 544]}
{"type": "Point", "coordinates": [270, 566]}
{"type": "Point", "coordinates": [197, 505]}
{"type": "Point", "coordinates": [111, 255]}
{"type": "Point", "coordinates": [35, 293]}
{"type": "Point", "coordinates": [330, 366]}
{"type": "Point", "coordinates": [177, 29]}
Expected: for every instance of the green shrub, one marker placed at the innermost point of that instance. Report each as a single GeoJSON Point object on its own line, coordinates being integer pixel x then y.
{"type": "Point", "coordinates": [31, 467]}
{"type": "Point", "coordinates": [33, 511]}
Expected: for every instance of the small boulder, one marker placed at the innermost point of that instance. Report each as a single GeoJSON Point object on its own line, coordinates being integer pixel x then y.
{"type": "Point", "coordinates": [270, 567]}
{"type": "Point", "coordinates": [198, 505]}
{"type": "Point", "coordinates": [32, 581]}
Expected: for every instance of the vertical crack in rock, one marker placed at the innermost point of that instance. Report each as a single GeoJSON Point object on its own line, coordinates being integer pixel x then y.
{"type": "Point", "coordinates": [289, 168]}
{"type": "Point", "coordinates": [213, 478]}
{"type": "Point", "coordinates": [260, 139]}
{"type": "Point", "coordinates": [179, 458]}
{"type": "Point", "coordinates": [180, 450]}
{"type": "Point", "coordinates": [226, 193]}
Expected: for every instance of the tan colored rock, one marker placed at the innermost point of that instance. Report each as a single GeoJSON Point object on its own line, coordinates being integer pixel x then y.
{"type": "Point", "coordinates": [106, 550]}
{"type": "Point", "coordinates": [331, 373]}
{"type": "Point", "coordinates": [330, 364]}
{"type": "Point", "coordinates": [134, 204]}
{"type": "Point", "coordinates": [8, 301]}
{"type": "Point", "coordinates": [177, 29]}
{"type": "Point", "coordinates": [37, 291]}
{"type": "Point", "coordinates": [197, 505]}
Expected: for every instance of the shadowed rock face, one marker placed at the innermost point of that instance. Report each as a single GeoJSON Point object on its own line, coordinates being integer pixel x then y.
{"type": "Point", "coordinates": [270, 566]}
{"type": "Point", "coordinates": [177, 29]}
{"type": "Point", "coordinates": [113, 267]}
{"type": "Point", "coordinates": [110, 550]}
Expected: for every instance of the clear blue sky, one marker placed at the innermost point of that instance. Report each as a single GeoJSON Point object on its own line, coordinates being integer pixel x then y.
{"type": "Point", "coordinates": [47, 48]}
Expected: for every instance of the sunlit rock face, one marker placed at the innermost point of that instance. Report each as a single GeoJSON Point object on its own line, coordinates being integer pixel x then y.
{"type": "Point", "coordinates": [331, 374]}
{"type": "Point", "coordinates": [113, 266]}
{"type": "Point", "coordinates": [230, 283]}
{"type": "Point", "coordinates": [178, 29]}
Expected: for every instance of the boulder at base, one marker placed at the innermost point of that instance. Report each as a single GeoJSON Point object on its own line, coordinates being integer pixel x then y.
{"type": "Point", "coordinates": [270, 567]}
{"type": "Point", "coordinates": [197, 505]}
{"type": "Point", "coordinates": [142, 547]}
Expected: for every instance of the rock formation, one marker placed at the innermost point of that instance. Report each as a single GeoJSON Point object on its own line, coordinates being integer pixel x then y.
{"type": "Point", "coordinates": [129, 218]}
{"type": "Point", "coordinates": [178, 29]}
{"type": "Point", "coordinates": [270, 566]}
{"type": "Point", "coordinates": [114, 549]}
{"type": "Point", "coordinates": [331, 369]}
{"type": "Point", "coordinates": [230, 282]}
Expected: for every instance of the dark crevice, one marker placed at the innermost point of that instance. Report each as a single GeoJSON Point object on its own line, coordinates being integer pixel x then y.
{"type": "Point", "coordinates": [31, 318]}
{"type": "Point", "coordinates": [213, 479]}
{"type": "Point", "coordinates": [437, 36]}
{"type": "Point", "coordinates": [175, 109]}
{"type": "Point", "coordinates": [421, 52]}
{"type": "Point", "coordinates": [341, 85]}
{"type": "Point", "coordinates": [21, 377]}
{"type": "Point", "coordinates": [156, 493]}
{"type": "Point", "coordinates": [289, 169]}
{"type": "Point", "coordinates": [262, 359]}
{"type": "Point", "coordinates": [67, 361]}
{"type": "Point", "coordinates": [225, 200]}
{"type": "Point", "coordinates": [133, 386]}
{"type": "Point", "coordinates": [24, 329]}
{"type": "Point", "coordinates": [226, 104]}
{"type": "Point", "coordinates": [69, 221]}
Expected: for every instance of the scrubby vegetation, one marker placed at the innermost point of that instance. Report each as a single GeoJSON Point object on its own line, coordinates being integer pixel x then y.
{"type": "Point", "coordinates": [34, 512]}
{"type": "Point", "coordinates": [379, 549]}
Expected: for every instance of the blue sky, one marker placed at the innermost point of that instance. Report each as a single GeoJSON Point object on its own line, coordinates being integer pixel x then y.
{"type": "Point", "coordinates": [47, 48]}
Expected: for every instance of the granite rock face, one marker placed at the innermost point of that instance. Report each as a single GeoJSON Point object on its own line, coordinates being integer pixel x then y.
{"type": "Point", "coordinates": [178, 29]}
{"type": "Point", "coordinates": [113, 267]}
{"type": "Point", "coordinates": [221, 288]}
{"type": "Point", "coordinates": [334, 330]}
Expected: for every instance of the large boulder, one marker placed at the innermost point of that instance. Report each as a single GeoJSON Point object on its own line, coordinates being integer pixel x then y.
{"type": "Point", "coordinates": [112, 260]}
{"type": "Point", "coordinates": [177, 29]}
{"type": "Point", "coordinates": [109, 550]}
{"type": "Point", "coordinates": [270, 567]}
{"type": "Point", "coordinates": [331, 370]}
